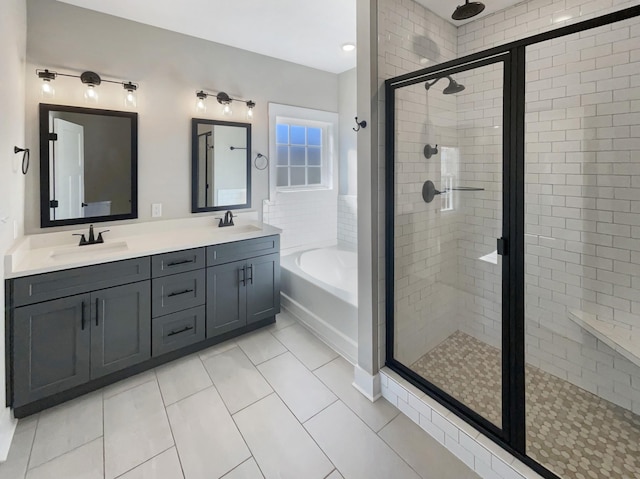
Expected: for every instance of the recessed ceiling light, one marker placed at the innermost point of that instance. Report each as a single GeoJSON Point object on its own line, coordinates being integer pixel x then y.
{"type": "Point", "coordinates": [348, 47]}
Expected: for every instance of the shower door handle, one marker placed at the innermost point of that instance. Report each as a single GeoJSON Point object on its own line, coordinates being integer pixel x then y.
{"type": "Point", "coordinates": [502, 247]}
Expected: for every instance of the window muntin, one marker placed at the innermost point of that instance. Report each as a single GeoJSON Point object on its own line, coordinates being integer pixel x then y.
{"type": "Point", "coordinates": [299, 150]}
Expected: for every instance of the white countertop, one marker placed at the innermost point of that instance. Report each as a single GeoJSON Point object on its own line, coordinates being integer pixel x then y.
{"type": "Point", "coordinates": [46, 252]}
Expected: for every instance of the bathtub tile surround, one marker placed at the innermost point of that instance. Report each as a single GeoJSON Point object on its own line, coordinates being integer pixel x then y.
{"type": "Point", "coordinates": [197, 437]}
{"type": "Point", "coordinates": [348, 220]}
{"type": "Point", "coordinates": [304, 217]}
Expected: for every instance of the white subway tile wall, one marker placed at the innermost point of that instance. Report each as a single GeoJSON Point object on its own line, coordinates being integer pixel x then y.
{"type": "Point", "coordinates": [304, 217]}
{"type": "Point", "coordinates": [348, 220]}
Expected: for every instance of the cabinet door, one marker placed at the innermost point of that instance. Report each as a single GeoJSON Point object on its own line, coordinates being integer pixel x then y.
{"type": "Point", "coordinates": [226, 306]}
{"type": "Point", "coordinates": [51, 348]}
{"type": "Point", "coordinates": [120, 327]}
{"type": "Point", "coordinates": [263, 287]}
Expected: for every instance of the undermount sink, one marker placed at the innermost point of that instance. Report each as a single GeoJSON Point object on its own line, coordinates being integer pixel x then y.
{"type": "Point", "coordinates": [241, 229]}
{"type": "Point", "coordinates": [80, 252]}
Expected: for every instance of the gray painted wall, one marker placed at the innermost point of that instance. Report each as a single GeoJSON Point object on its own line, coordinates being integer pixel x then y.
{"type": "Point", "coordinates": [13, 34]}
{"type": "Point", "coordinates": [169, 67]}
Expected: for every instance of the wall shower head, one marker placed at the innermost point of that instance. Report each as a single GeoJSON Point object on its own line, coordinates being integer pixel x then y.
{"type": "Point", "coordinates": [453, 87]}
{"type": "Point", "coordinates": [468, 10]}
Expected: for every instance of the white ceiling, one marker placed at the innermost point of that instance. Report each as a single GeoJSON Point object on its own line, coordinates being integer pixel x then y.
{"type": "Point", "coordinates": [307, 32]}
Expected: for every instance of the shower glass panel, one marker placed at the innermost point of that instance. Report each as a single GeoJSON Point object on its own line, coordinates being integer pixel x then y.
{"type": "Point", "coordinates": [582, 252]}
{"type": "Point", "coordinates": [448, 204]}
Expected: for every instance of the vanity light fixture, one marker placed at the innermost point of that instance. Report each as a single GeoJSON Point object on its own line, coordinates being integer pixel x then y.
{"type": "Point", "coordinates": [225, 100]}
{"type": "Point", "coordinates": [91, 80]}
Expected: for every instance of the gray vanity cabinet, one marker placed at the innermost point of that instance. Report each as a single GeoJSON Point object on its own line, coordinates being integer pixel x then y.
{"type": "Point", "coordinates": [243, 291]}
{"type": "Point", "coordinates": [51, 347]}
{"type": "Point", "coordinates": [120, 328]}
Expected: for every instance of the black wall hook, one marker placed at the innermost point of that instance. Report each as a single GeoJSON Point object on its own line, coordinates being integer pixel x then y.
{"type": "Point", "coordinates": [25, 158]}
{"type": "Point", "coordinates": [361, 124]}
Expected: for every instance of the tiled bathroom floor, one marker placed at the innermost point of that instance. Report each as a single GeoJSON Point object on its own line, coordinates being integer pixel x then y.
{"type": "Point", "coordinates": [276, 403]}
{"type": "Point", "coordinates": [571, 431]}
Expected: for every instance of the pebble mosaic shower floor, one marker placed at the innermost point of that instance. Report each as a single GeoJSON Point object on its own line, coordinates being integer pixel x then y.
{"type": "Point", "coordinates": [572, 432]}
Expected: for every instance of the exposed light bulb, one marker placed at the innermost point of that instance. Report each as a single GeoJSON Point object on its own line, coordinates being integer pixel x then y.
{"type": "Point", "coordinates": [130, 100]}
{"type": "Point", "coordinates": [201, 106]}
{"type": "Point", "coordinates": [250, 106]}
{"type": "Point", "coordinates": [91, 95]}
{"type": "Point", "coordinates": [47, 90]}
{"type": "Point", "coordinates": [226, 109]}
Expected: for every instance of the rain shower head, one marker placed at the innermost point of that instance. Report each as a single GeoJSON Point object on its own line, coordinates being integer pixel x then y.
{"type": "Point", "coordinates": [468, 10]}
{"type": "Point", "coordinates": [453, 87]}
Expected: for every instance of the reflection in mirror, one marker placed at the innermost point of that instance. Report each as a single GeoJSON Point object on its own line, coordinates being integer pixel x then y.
{"type": "Point", "coordinates": [88, 165]}
{"type": "Point", "coordinates": [221, 173]}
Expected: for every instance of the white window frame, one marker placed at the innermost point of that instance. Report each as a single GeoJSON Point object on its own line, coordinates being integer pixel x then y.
{"type": "Point", "coordinates": [327, 121]}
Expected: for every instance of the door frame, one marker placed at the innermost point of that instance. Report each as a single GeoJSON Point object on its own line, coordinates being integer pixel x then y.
{"type": "Point", "coordinates": [512, 436]}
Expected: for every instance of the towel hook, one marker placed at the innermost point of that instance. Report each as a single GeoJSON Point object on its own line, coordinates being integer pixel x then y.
{"type": "Point", "coordinates": [361, 124]}
{"type": "Point", "coordinates": [25, 158]}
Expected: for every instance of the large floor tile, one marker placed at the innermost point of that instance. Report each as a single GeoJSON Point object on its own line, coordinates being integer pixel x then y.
{"type": "Point", "coordinates": [426, 455]}
{"type": "Point", "coordinates": [135, 428]}
{"type": "Point", "coordinates": [312, 352]}
{"type": "Point", "coordinates": [163, 466]}
{"type": "Point", "coordinates": [67, 426]}
{"type": "Point", "coordinates": [338, 376]}
{"type": "Point", "coordinates": [17, 461]}
{"type": "Point", "coordinates": [84, 462]}
{"type": "Point", "coordinates": [207, 439]}
{"type": "Point", "coordinates": [280, 445]}
{"type": "Point", "coordinates": [129, 383]}
{"type": "Point", "coordinates": [283, 319]}
{"type": "Point", "coordinates": [354, 448]}
{"type": "Point", "coordinates": [247, 470]}
{"type": "Point", "coordinates": [237, 379]}
{"type": "Point", "coordinates": [260, 346]}
{"type": "Point", "coordinates": [181, 378]}
{"type": "Point", "coordinates": [217, 349]}
{"type": "Point", "coordinates": [303, 393]}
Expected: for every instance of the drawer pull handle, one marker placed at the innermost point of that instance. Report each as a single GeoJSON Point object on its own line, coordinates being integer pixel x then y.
{"type": "Point", "coordinates": [178, 263]}
{"type": "Point", "coordinates": [185, 329]}
{"type": "Point", "coordinates": [178, 293]}
{"type": "Point", "coordinates": [82, 319]}
{"type": "Point", "coordinates": [251, 277]}
{"type": "Point", "coordinates": [243, 279]}
{"type": "Point", "coordinates": [97, 310]}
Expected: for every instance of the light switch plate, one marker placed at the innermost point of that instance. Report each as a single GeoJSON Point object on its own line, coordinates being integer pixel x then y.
{"type": "Point", "coordinates": [156, 210]}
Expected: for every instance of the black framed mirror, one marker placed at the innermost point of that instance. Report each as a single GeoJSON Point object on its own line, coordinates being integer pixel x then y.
{"type": "Point", "coordinates": [88, 165]}
{"type": "Point", "coordinates": [221, 165]}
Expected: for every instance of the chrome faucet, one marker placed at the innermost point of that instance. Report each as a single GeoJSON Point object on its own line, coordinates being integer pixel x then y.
{"type": "Point", "coordinates": [227, 221]}
{"type": "Point", "coordinates": [92, 239]}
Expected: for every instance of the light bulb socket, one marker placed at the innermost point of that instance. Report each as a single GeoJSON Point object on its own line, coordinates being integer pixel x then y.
{"type": "Point", "coordinates": [129, 86]}
{"type": "Point", "coordinates": [251, 105]}
{"type": "Point", "coordinates": [46, 75]}
{"type": "Point", "coordinates": [201, 95]}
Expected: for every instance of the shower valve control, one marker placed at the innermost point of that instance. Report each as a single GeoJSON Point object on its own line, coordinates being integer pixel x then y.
{"type": "Point", "coordinates": [502, 247]}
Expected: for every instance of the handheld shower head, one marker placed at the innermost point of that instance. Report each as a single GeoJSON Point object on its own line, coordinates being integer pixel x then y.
{"type": "Point", "coordinates": [468, 10]}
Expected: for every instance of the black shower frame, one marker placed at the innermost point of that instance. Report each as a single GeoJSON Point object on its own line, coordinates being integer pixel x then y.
{"type": "Point", "coordinates": [512, 435]}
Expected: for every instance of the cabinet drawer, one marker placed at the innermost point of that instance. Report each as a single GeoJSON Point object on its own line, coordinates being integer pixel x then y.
{"type": "Point", "coordinates": [43, 287]}
{"type": "Point", "coordinates": [177, 330]}
{"type": "Point", "coordinates": [228, 252]}
{"type": "Point", "coordinates": [177, 292]}
{"type": "Point", "coordinates": [177, 262]}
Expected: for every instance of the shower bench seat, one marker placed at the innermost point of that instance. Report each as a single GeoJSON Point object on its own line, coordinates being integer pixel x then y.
{"type": "Point", "coordinates": [622, 340]}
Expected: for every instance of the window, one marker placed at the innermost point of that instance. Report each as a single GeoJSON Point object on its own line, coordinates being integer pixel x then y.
{"type": "Point", "coordinates": [303, 148]}
{"type": "Point", "coordinates": [298, 155]}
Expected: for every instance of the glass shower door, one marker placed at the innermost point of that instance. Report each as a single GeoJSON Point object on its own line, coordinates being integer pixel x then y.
{"type": "Point", "coordinates": [448, 217]}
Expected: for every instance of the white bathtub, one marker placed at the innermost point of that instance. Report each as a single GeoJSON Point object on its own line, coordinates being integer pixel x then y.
{"type": "Point", "coordinates": [320, 287]}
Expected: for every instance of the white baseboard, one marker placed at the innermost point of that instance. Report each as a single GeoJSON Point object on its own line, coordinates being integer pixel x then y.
{"type": "Point", "coordinates": [7, 428]}
{"type": "Point", "coordinates": [367, 384]}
